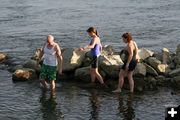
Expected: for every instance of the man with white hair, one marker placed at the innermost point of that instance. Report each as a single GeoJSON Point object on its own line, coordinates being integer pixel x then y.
{"type": "Point", "coordinates": [51, 53]}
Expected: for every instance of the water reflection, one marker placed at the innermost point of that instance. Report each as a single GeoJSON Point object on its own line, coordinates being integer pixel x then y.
{"type": "Point", "coordinates": [125, 107]}
{"type": "Point", "coordinates": [95, 105]}
{"type": "Point", "coordinates": [49, 108]}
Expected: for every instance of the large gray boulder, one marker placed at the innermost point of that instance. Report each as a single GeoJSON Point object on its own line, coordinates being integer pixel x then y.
{"type": "Point", "coordinates": [3, 56]}
{"type": "Point", "coordinates": [72, 59]}
{"type": "Point", "coordinates": [110, 64]}
{"type": "Point", "coordinates": [150, 70]}
{"type": "Point", "coordinates": [32, 64]}
{"type": "Point", "coordinates": [140, 70]}
{"type": "Point", "coordinates": [83, 74]}
{"type": "Point", "coordinates": [144, 53]}
{"type": "Point", "coordinates": [24, 74]}
{"type": "Point", "coordinates": [175, 72]}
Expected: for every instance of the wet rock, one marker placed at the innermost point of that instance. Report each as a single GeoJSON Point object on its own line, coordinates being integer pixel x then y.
{"type": "Point", "coordinates": [163, 68]}
{"type": "Point", "coordinates": [13, 69]}
{"type": "Point", "coordinates": [139, 84]}
{"type": "Point", "coordinates": [87, 62]}
{"type": "Point", "coordinates": [152, 61]}
{"type": "Point", "coordinates": [156, 64]}
{"type": "Point", "coordinates": [175, 72]}
{"type": "Point", "coordinates": [140, 70]}
{"type": "Point", "coordinates": [32, 64]}
{"type": "Point", "coordinates": [178, 49]}
{"type": "Point", "coordinates": [110, 65]}
{"type": "Point", "coordinates": [177, 59]}
{"type": "Point", "coordinates": [3, 56]}
{"type": "Point", "coordinates": [165, 56]}
{"type": "Point", "coordinates": [108, 50]}
{"type": "Point", "coordinates": [24, 74]}
{"type": "Point", "coordinates": [150, 70]}
{"type": "Point", "coordinates": [144, 53]}
{"type": "Point", "coordinates": [73, 58]}
{"type": "Point", "coordinates": [36, 55]}
{"type": "Point", "coordinates": [83, 74]}
{"type": "Point", "coordinates": [176, 81]}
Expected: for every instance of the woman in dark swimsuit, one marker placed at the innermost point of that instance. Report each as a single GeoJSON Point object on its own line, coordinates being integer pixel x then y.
{"type": "Point", "coordinates": [130, 62]}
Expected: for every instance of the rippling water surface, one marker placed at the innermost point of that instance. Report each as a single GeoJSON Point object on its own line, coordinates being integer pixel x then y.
{"type": "Point", "coordinates": [24, 25]}
{"type": "Point", "coordinates": [26, 101]}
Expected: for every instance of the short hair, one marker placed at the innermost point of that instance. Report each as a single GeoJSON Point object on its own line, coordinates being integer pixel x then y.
{"type": "Point", "coordinates": [127, 36]}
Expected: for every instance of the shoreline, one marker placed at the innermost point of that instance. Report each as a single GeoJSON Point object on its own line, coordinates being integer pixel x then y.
{"type": "Point", "coordinates": [154, 69]}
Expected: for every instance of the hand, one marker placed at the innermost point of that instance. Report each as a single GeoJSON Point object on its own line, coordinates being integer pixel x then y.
{"type": "Point", "coordinates": [127, 67]}
{"type": "Point", "coordinates": [81, 49]}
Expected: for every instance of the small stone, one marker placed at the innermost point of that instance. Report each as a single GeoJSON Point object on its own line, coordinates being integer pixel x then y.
{"type": "Point", "coordinates": [3, 56]}
{"type": "Point", "coordinates": [24, 74]}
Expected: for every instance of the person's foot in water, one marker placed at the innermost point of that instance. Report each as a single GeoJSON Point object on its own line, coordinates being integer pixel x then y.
{"type": "Point", "coordinates": [117, 91]}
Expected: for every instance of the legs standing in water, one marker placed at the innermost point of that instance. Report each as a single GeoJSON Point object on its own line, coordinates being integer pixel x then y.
{"type": "Point", "coordinates": [131, 81]}
{"type": "Point", "coordinates": [95, 74]}
{"type": "Point", "coordinates": [53, 86]}
{"type": "Point", "coordinates": [121, 81]}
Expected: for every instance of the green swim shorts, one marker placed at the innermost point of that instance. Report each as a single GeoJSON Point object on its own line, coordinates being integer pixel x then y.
{"type": "Point", "coordinates": [48, 72]}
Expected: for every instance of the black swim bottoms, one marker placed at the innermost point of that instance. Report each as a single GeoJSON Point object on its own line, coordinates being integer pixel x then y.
{"type": "Point", "coordinates": [94, 63]}
{"type": "Point", "coordinates": [132, 65]}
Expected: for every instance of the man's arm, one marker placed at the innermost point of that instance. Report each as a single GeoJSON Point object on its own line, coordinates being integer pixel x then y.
{"type": "Point", "coordinates": [60, 58]}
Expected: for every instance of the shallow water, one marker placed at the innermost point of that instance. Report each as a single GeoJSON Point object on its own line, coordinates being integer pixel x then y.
{"type": "Point", "coordinates": [26, 101]}
{"type": "Point", "coordinates": [24, 25]}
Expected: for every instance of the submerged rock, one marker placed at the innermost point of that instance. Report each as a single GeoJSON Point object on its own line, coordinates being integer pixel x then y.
{"type": "Point", "coordinates": [140, 70]}
{"type": "Point", "coordinates": [24, 74]}
{"type": "Point", "coordinates": [72, 59]}
{"type": "Point", "coordinates": [110, 64]}
{"type": "Point", "coordinates": [3, 56]}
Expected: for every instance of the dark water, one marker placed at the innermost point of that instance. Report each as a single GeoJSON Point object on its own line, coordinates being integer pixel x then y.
{"type": "Point", "coordinates": [24, 25]}
{"type": "Point", "coordinates": [26, 101]}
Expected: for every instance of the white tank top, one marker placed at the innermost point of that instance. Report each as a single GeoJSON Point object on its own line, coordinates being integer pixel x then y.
{"type": "Point", "coordinates": [50, 57]}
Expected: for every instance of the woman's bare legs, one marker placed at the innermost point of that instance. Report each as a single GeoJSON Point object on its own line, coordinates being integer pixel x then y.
{"type": "Point", "coordinates": [98, 76]}
{"type": "Point", "coordinates": [131, 81]}
{"type": "Point", "coordinates": [121, 81]}
{"type": "Point", "coordinates": [95, 74]}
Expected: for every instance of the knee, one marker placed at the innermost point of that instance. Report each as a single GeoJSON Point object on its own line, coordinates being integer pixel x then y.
{"type": "Point", "coordinates": [130, 77]}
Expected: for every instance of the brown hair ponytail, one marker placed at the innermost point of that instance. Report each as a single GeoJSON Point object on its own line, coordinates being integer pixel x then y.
{"type": "Point", "coordinates": [93, 30]}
